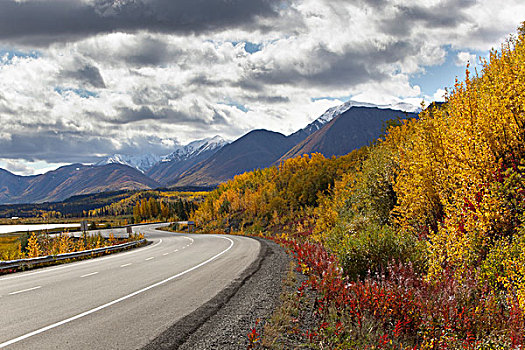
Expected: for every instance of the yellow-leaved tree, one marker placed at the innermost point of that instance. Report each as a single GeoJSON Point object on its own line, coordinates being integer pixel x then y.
{"type": "Point", "coordinates": [33, 247]}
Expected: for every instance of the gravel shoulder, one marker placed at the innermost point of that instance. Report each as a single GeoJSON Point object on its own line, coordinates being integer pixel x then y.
{"type": "Point", "coordinates": [224, 321]}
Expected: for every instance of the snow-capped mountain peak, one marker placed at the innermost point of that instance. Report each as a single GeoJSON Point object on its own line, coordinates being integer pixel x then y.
{"type": "Point", "coordinates": [145, 162]}
{"type": "Point", "coordinates": [333, 112]}
{"type": "Point", "coordinates": [337, 110]}
{"type": "Point", "coordinates": [140, 162]}
{"type": "Point", "coordinates": [193, 149]}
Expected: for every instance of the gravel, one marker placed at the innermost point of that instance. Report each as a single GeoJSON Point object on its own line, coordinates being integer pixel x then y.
{"type": "Point", "coordinates": [224, 321]}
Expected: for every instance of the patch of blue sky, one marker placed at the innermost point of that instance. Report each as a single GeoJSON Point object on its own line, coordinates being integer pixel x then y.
{"type": "Point", "coordinates": [249, 46]}
{"type": "Point", "coordinates": [444, 75]}
{"type": "Point", "coordinates": [252, 47]}
{"type": "Point", "coordinates": [80, 92]}
{"type": "Point", "coordinates": [331, 98]}
{"type": "Point", "coordinates": [7, 55]}
{"type": "Point", "coordinates": [239, 106]}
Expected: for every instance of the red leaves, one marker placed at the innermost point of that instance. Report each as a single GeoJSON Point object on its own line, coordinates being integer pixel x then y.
{"type": "Point", "coordinates": [253, 336]}
{"type": "Point", "coordinates": [401, 307]}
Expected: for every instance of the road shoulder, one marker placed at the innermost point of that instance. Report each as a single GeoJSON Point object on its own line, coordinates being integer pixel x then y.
{"type": "Point", "coordinates": [225, 320]}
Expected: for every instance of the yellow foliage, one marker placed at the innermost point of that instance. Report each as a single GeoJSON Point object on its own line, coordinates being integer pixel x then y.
{"type": "Point", "coordinates": [33, 247]}
{"type": "Point", "coordinates": [276, 197]}
{"type": "Point", "coordinates": [65, 244]}
{"type": "Point", "coordinates": [450, 181]}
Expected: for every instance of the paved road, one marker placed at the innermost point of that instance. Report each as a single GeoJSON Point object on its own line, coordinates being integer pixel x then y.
{"type": "Point", "coordinates": [120, 301]}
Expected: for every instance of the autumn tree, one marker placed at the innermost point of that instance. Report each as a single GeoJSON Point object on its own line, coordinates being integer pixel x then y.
{"type": "Point", "coordinates": [33, 247]}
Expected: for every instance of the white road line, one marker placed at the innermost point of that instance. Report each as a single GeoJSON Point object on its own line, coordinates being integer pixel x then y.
{"type": "Point", "coordinates": [25, 290]}
{"type": "Point", "coordinates": [125, 265]}
{"type": "Point", "coordinates": [165, 254]}
{"type": "Point", "coordinates": [176, 250]}
{"type": "Point", "coordinates": [89, 312]}
{"type": "Point", "coordinates": [89, 274]}
{"type": "Point", "coordinates": [151, 257]}
{"type": "Point", "coordinates": [81, 263]}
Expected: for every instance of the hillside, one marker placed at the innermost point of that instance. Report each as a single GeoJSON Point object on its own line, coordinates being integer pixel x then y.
{"type": "Point", "coordinates": [354, 128]}
{"type": "Point", "coordinates": [421, 238]}
{"type": "Point", "coordinates": [168, 171]}
{"type": "Point", "coordinates": [70, 180]}
{"type": "Point", "coordinates": [256, 149]}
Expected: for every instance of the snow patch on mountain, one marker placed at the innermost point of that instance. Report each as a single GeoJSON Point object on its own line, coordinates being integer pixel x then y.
{"type": "Point", "coordinates": [139, 162]}
{"type": "Point", "coordinates": [338, 110]}
{"type": "Point", "coordinates": [195, 148]}
{"type": "Point", "coordinates": [146, 161]}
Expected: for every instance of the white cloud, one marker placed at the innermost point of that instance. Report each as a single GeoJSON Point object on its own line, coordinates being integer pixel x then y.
{"type": "Point", "coordinates": [146, 91]}
{"type": "Point", "coordinates": [24, 168]}
{"type": "Point", "coordinates": [463, 57]}
{"type": "Point", "coordinates": [439, 95]}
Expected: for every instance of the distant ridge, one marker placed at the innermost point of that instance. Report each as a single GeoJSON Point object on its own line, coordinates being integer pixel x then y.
{"type": "Point", "coordinates": [336, 111]}
{"type": "Point", "coordinates": [336, 132]}
{"type": "Point", "coordinates": [70, 180]}
{"type": "Point", "coordinates": [208, 162]}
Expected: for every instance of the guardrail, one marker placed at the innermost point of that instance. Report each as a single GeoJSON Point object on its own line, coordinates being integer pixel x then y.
{"type": "Point", "coordinates": [15, 264]}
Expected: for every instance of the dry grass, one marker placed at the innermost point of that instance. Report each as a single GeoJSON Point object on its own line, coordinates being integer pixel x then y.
{"type": "Point", "coordinates": [8, 246]}
{"type": "Point", "coordinates": [284, 316]}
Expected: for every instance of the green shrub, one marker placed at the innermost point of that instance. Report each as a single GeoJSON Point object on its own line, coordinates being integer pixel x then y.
{"type": "Point", "coordinates": [370, 250]}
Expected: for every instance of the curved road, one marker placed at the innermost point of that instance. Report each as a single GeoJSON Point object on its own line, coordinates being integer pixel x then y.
{"type": "Point", "coordinates": [120, 301]}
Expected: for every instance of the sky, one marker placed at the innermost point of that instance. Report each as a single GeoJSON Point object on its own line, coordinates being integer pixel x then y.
{"type": "Point", "coordinates": [84, 79]}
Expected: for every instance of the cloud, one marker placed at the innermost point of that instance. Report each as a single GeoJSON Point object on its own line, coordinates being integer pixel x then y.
{"type": "Point", "coordinates": [140, 76]}
{"type": "Point", "coordinates": [439, 95]}
{"type": "Point", "coordinates": [463, 57]}
{"type": "Point", "coordinates": [17, 167]}
{"type": "Point", "coordinates": [87, 74]}
{"type": "Point", "coordinates": [66, 20]}
{"type": "Point", "coordinates": [50, 147]}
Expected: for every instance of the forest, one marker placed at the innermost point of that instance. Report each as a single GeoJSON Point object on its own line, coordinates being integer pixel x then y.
{"type": "Point", "coordinates": [415, 242]}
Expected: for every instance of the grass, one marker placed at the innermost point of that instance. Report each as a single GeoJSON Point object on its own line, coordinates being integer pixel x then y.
{"type": "Point", "coordinates": [9, 246]}
{"type": "Point", "coordinates": [8, 242]}
{"type": "Point", "coordinates": [291, 319]}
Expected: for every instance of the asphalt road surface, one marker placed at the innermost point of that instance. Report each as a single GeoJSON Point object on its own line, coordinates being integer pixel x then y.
{"type": "Point", "coordinates": [120, 301]}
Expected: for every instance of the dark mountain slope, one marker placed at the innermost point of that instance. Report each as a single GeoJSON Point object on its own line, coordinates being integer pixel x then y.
{"type": "Point", "coordinates": [256, 149]}
{"type": "Point", "coordinates": [11, 185]}
{"type": "Point", "coordinates": [71, 180]}
{"type": "Point", "coordinates": [350, 130]}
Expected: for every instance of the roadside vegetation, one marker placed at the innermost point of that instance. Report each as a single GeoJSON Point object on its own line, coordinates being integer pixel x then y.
{"type": "Point", "coordinates": [32, 245]}
{"type": "Point", "coordinates": [126, 207]}
{"type": "Point", "coordinates": [416, 242]}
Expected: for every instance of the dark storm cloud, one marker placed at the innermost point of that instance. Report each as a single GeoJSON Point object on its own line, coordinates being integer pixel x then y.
{"type": "Point", "coordinates": [88, 74]}
{"type": "Point", "coordinates": [149, 52]}
{"type": "Point", "coordinates": [129, 115]}
{"type": "Point", "coordinates": [195, 116]}
{"type": "Point", "coordinates": [49, 146]}
{"type": "Point", "coordinates": [448, 14]}
{"type": "Point", "coordinates": [355, 65]}
{"type": "Point", "coordinates": [42, 22]}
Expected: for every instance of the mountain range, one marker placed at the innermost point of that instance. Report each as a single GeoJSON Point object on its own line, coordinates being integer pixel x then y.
{"type": "Point", "coordinates": [210, 161]}
{"type": "Point", "coordinates": [70, 180]}
{"type": "Point", "coordinates": [169, 170]}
